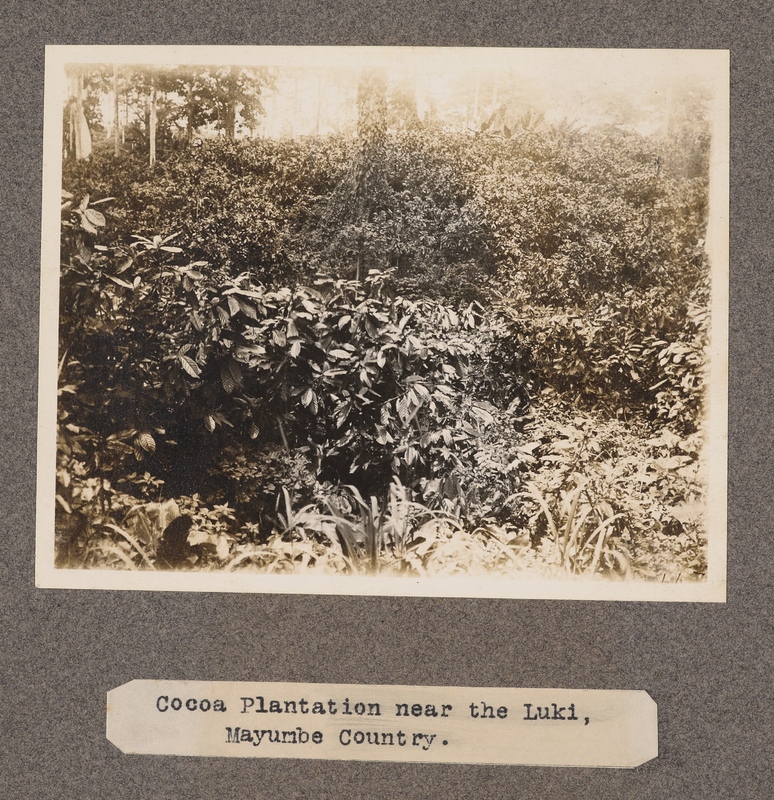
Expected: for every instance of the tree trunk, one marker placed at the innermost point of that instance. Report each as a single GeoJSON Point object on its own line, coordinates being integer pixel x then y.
{"type": "Point", "coordinates": [79, 128]}
{"type": "Point", "coordinates": [71, 120]}
{"type": "Point", "coordinates": [189, 119]}
{"type": "Point", "coordinates": [230, 124]}
{"type": "Point", "coordinates": [116, 144]}
{"type": "Point", "coordinates": [318, 110]}
{"type": "Point", "coordinates": [231, 101]}
{"type": "Point", "coordinates": [152, 125]}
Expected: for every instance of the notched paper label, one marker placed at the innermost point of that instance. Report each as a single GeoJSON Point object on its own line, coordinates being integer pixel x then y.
{"type": "Point", "coordinates": [355, 722]}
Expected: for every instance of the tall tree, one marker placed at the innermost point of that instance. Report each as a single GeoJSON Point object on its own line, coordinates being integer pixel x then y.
{"type": "Point", "coordinates": [116, 125]}
{"type": "Point", "coordinates": [404, 106]}
{"type": "Point", "coordinates": [364, 192]}
{"type": "Point", "coordinates": [84, 111]}
{"type": "Point", "coordinates": [367, 180]}
{"type": "Point", "coordinates": [80, 135]}
{"type": "Point", "coordinates": [152, 122]}
{"type": "Point", "coordinates": [190, 85]}
{"type": "Point", "coordinates": [234, 95]}
{"type": "Point", "coordinates": [152, 106]}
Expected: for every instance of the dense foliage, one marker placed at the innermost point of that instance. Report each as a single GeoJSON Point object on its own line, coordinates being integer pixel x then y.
{"type": "Point", "coordinates": [414, 351]}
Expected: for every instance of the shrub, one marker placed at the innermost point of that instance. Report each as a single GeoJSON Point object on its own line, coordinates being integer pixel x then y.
{"type": "Point", "coordinates": [216, 346]}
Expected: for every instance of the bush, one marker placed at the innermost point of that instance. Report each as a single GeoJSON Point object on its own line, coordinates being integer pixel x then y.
{"type": "Point", "coordinates": [618, 356]}
{"type": "Point", "coordinates": [244, 326]}
{"type": "Point", "coordinates": [362, 384]}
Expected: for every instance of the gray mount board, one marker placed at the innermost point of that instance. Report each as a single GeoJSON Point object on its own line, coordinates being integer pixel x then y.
{"type": "Point", "coordinates": [707, 666]}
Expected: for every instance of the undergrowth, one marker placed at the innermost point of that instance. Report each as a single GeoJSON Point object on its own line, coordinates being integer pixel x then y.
{"type": "Point", "coordinates": [495, 367]}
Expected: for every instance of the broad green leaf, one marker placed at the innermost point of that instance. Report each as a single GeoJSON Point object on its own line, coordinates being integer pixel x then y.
{"type": "Point", "coordinates": [336, 353]}
{"type": "Point", "coordinates": [120, 282]}
{"type": "Point", "coordinates": [422, 392]}
{"type": "Point", "coordinates": [228, 383]}
{"type": "Point", "coordinates": [251, 349]}
{"type": "Point", "coordinates": [248, 309]}
{"type": "Point", "coordinates": [402, 407]}
{"type": "Point", "coordinates": [94, 217]}
{"type": "Point", "coordinates": [87, 226]}
{"type": "Point", "coordinates": [342, 413]}
{"type": "Point", "coordinates": [223, 315]}
{"type": "Point", "coordinates": [190, 366]}
{"type": "Point", "coordinates": [147, 442]}
{"type": "Point", "coordinates": [230, 375]}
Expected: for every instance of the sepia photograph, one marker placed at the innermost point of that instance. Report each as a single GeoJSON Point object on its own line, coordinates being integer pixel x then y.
{"type": "Point", "coordinates": [387, 321]}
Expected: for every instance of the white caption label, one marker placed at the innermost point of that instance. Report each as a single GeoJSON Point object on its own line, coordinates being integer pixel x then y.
{"type": "Point", "coordinates": [438, 724]}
